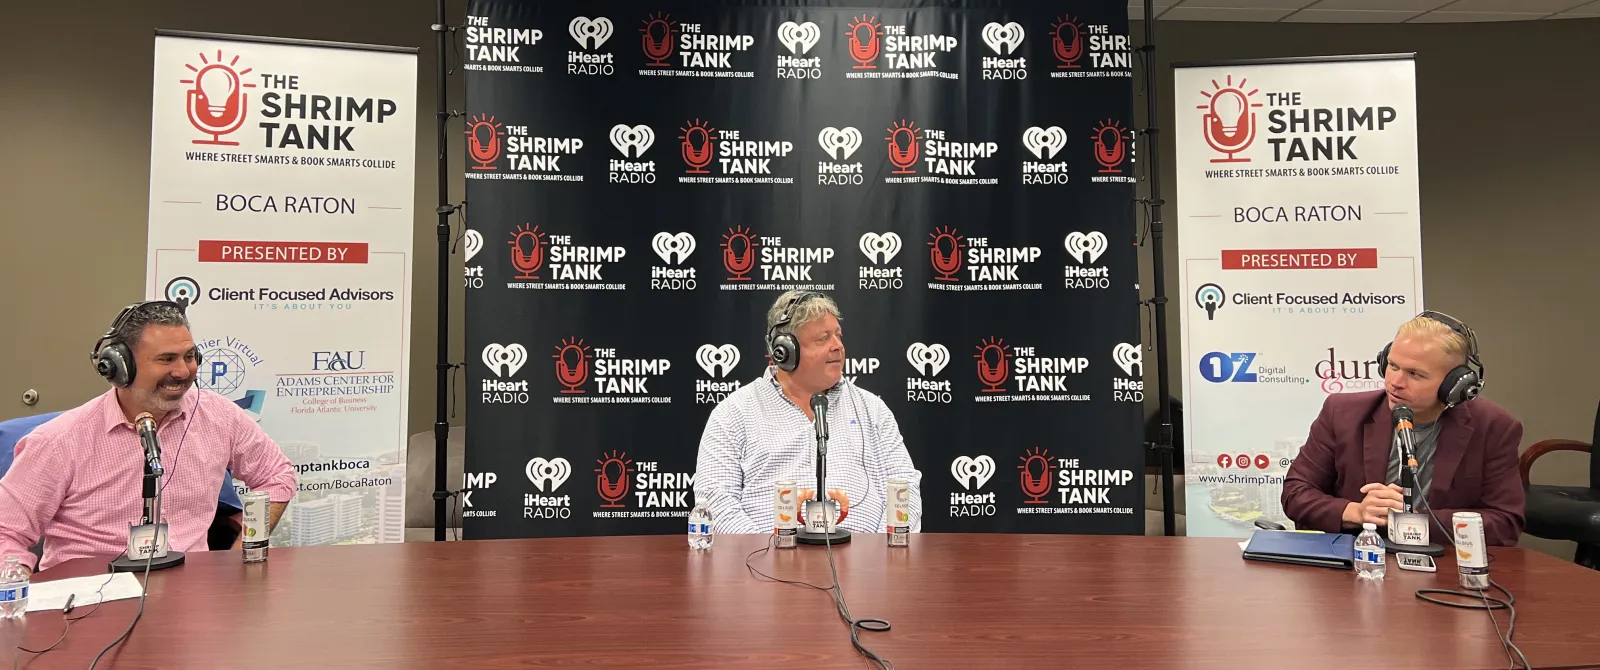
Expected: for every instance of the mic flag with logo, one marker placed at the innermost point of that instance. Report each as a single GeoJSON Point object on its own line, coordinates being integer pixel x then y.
{"type": "Point", "coordinates": [649, 176]}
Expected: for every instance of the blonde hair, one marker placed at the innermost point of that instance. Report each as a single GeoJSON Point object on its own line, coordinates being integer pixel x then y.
{"type": "Point", "coordinates": [1453, 343]}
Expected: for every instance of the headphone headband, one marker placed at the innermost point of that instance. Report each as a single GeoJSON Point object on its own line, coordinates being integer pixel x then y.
{"type": "Point", "coordinates": [122, 317]}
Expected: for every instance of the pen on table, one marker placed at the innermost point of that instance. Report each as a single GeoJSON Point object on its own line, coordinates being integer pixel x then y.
{"type": "Point", "coordinates": [68, 609]}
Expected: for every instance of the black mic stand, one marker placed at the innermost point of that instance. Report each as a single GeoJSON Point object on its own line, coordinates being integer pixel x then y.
{"type": "Point", "coordinates": [1409, 483]}
{"type": "Point", "coordinates": [839, 535]}
{"type": "Point", "coordinates": [152, 517]}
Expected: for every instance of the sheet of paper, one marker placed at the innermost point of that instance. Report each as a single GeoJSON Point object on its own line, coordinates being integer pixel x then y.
{"type": "Point", "coordinates": [53, 594]}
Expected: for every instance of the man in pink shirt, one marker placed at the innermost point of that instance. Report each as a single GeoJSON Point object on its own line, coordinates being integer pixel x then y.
{"type": "Point", "coordinates": [76, 481]}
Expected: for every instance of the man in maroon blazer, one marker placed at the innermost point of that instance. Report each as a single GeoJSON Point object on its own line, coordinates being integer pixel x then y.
{"type": "Point", "coordinates": [1347, 472]}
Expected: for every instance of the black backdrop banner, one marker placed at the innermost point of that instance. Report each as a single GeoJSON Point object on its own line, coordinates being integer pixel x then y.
{"type": "Point", "coordinates": [645, 178]}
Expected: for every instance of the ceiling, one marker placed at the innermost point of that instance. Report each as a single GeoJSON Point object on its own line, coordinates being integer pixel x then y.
{"type": "Point", "coordinates": [1367, 11]}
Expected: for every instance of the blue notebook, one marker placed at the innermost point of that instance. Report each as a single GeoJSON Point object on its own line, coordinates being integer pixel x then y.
{"type": "Point", "coordinates": [1328, 550]}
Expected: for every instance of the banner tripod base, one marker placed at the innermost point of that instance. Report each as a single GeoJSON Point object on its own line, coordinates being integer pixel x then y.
{"type": "Point", "coordinates": [838, 536]}
{"type": "Point", "coordinates": [124, 564]}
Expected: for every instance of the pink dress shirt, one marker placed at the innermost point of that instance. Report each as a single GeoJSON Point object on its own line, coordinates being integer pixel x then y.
{"type": "Point", "coordinates": [77, 480]}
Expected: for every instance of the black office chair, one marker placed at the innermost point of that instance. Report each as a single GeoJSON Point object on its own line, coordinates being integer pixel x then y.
{"type": "Point", "coordinates": [1566, 512]}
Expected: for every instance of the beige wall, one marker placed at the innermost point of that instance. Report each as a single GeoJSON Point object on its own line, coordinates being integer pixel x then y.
{"type": "Point", "coordinates": [1509, 164]}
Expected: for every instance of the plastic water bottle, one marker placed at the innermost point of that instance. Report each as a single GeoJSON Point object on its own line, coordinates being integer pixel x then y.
{"type": "Point", "coordinates": [700, 527]}
{"type": "Point", "coordinates": [13, 589]}
{"type": "Point", "coordinates": [1371, 560]}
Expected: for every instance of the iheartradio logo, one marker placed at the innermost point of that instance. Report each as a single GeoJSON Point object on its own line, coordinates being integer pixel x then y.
{"type": "Point", "coordinates": [928, 359]}
{"type": "Point", "coordinates": [713, 359]}
{"type": "Point", "coordinates": [839, 143]}
{"type": "Point", "coordinates": [474, 241]}
{"type": "Point", "coordinates": [216, 102]}
{"type": "Point", "coordinates": [548, 475]}
{"type": "Point", "coordinates": [1044, 143]}
{"type": "Point", "coordinates": [973, 473]}
{"type": "Point", "coordinates": [590, 33]}
{"type": "Point", "coordinates": [1227, 121]}
{"type": "Point", "coordinates": [483, 141]}
{"type": "Point", "coordinates": [504, 360]}
{"type": "Point", "coordinates": [880, 249]}
{"type": "Point", "coordinates": [671, 246]}
{"type": "Point", "coordinates": [799, 37]}
{"type": "Point", "coordinates": [1003, 39]}
{"type": "Point", "coordinates": [1128, 357]}
{"type": "Point", "coordinates": [637, 138]}
{"type": "Point", "coordinates": [1086, 248]}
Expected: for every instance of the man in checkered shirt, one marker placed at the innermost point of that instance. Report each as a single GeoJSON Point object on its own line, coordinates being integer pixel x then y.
{"type": "Point", "coordinates": [763, 432]}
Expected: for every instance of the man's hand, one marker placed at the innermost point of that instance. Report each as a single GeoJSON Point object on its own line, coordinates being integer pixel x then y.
{"type": "Point", "coordinates": [1374, 508]}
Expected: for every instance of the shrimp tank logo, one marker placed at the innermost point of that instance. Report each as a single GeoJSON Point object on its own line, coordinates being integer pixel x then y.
{"type": "Point", "coordinates": [216, 102]}
{"type": "Point", "coordinates": [1210, 298]}
{"type": "Point", "coordinates": [483, 141]}
{"type": "Point", "coordinates": [1113, 147]}
{"type": "Point", "coordinates": [1227, 121]}
{"type": "Point", "coordinates": [612, 477]}
{"type": "Point", "coordinates": [1036, 474]}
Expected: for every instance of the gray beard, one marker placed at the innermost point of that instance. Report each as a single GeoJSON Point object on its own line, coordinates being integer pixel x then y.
{"type": "Point", "coordinates": [153, 401]}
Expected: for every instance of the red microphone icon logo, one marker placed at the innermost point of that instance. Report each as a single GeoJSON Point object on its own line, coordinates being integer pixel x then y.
{"type": "Point", "coordinates": [1110, 147]}
{"type": "Point", "coordinates": [1228, 123]}
{"type": "Point", "coordinates": [527, 251]}
{"type": "Point", "coordinates": [572, 364]}
{"type": "Point", "coordinates": [699, 146]}
{"type": "Point", "coordinates": [658, 34]}
{"type": "Point", "coordinates": [1066, 42]}
{"type": "Point", "coordinates": [1037, 471]}
{"type": "Point", "coordinates": [483, 141]}
{"type": "Point", "coordinates": [739, 253]}
{"type": "Point", "coordinates": [611, 478]}
{"type": "Point", "coordinates": [864, 44]}
{"type": "Point", "coordinates": [993, 369]}
{"type": "Point", "coordinates": [216, 103]}
{"type": "Point", "coordinates": [904, 146]}
{"type": "Point", "coordinates": [944, 251]}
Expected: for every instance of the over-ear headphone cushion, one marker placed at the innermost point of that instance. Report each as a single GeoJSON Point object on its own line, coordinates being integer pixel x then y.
{"type": "Point", "coordinates": [115, 363]}
{"type": "Point", "coordinates": [1383, 359]}
{"type": "Point", "coordinates": [1458, 386]}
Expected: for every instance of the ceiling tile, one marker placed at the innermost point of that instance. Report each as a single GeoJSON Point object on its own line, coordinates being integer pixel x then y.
{"type": "Point", "coordinates": [1347, 16]}
{"type": "Point", "coordinates": [1591, 9]}
{"type": "Point", "coordinates": [1514, 6]}
{"type": "Point", "coordinates": [1247, 4]}
{"type": "Point", "coordinates": [1187, 13]}
{"type": "Point", "coordinates": [1389, 5]}
{"type": "Point", "coordinates": [1467, 17]}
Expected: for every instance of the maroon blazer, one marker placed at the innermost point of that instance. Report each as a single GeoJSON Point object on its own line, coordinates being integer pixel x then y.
{"type": "Point", "coordinates": [1474, 467]}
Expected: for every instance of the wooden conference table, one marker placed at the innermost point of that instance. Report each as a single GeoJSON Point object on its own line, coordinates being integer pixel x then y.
{"type": "Point", "coordinates": [955, 601]}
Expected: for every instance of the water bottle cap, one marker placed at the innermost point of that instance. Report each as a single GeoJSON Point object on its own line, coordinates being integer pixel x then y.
{"type": "Point", "coordinates": [1369, 526]}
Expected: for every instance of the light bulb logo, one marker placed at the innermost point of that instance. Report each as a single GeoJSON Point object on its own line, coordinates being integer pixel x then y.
{"type": "Point", "coordinates": [1226, 121]}
{"type": "Point", "coordinates": [993, 355]}
{"type": "Point", "coordinates": [904, 146]}
{"type": "Point", "coordinates": [483, 141]}
{"type": "Point", "coordinates": [739, 253]}
{"type": "Point", "coordinates": [611, 477]}
{"type": "Point", "coordinates": [1110, 146]}
{"type": "Point", "coordinates": [864, 43]}
{"type": "Point", "coordinates": [944, 252]}
{"type": "Point", "coordinates": [1066, 42]}
{"type": "Point", "coordinates": [572, 364]}
{"type": "Point", "coordinates": [1210, 298]}
{"type": "Point", "coordinates": [1036, 472]}
{"type": "Point", "coordinates": [216, 102]}
{"type": "Point", "coordinates": [699, 145]}
{"type": "Point", "coordinates": [657, 38]}
{"type": "Point", "coordinates": [527, 251]}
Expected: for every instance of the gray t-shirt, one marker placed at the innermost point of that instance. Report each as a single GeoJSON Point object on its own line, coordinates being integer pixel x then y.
{"type": "Point", "coordinates": [1424, 440]}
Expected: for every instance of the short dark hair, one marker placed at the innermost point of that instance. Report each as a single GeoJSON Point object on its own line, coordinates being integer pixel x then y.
{"type": "Point", "coordinates": [160, 314]}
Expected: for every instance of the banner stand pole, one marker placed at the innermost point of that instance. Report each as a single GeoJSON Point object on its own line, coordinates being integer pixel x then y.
{"type": "Point", "coordinates": [1163, 444]}
{"type": "Point", "coordinates": [441, 425]}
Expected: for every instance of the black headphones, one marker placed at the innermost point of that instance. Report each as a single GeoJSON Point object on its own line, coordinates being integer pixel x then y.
{"type": "Point", "coordinates": [1462, 383]}
{"type": "Point", "coordinates": [781, 345]}
{"type": "Point", "coordinates": [111, 356]}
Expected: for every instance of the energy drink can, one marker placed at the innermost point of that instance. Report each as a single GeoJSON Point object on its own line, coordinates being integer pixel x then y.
{"type": "Point", "coordinates": [786, 513]}
{"type": "Point", "coordinates": [1472, 558]}
{"type": "Point", "coordinates": [899, 512]}
{"type": "Point", "coordinates": [256, 527]}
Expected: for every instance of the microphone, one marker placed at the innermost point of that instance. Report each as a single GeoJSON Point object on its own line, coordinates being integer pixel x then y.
{"type": "Point", "coordinates": [216, 104]}
{"type": "Point", "coordinates": [147, 540]}
{"type": "Point", "coordinates": [821, 522]}
{"type": "Point", "coordinates": [1408, 529]}
{"type": "Point", "coordinates": [1068, 55]}
{"type": "Point", "coordinates": [1108, 148]}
